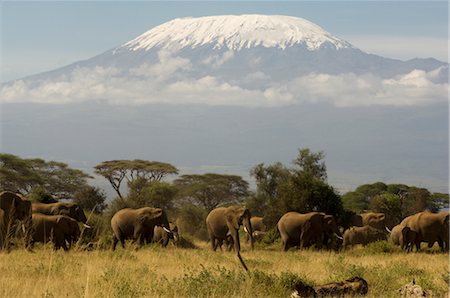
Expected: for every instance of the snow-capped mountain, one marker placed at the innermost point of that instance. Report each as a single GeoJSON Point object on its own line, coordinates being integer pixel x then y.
{"type": "Point", "coordinates": [235, 33]}
{"type": "Point", "coordinates": [263, 56]}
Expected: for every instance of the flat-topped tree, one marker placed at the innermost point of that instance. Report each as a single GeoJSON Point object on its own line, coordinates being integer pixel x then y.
{"type": "Point", "coordinates": [115, 171]}
{"type": "Point", "coordinates": [211, 190]}
{"type": "Point", "coordinates": [52, 177]}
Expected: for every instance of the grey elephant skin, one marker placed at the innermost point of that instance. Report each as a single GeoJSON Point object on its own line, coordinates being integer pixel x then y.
{"type": "Point", "coordinates": [58, 229]}
{"type": "Point", "coordinates": [224, 221]}
{"type": "Point", "coordinates": [363, 235]}
{"type": "Point", "coordinates": [72, 210]}
{"type": "Point", "coordinates": [137, 224]}
{"type": "Point", "coordinates": [305, 230]}
{"type": "Point", "coordinates": [373, 219]}
{"type": "Point", "coordinates": [13, 207]}
{"type": "Point", "coordinates": [259, 228]}
{"type": "Point", "coordinates": [162, 237]}
{"type": "Point", "coordinates": [404, 237]}
{"type": "Point", "coordinates": [430, 227]}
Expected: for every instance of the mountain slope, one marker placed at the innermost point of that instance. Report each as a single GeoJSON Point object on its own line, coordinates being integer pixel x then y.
{"type": "Point", "coordinates": [258, 56]}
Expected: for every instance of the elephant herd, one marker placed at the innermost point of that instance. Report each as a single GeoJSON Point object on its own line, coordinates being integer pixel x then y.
{"type": "Point", "coordinates": [56, 222]}
{"type": "Point", "coordinates": [59, 223]}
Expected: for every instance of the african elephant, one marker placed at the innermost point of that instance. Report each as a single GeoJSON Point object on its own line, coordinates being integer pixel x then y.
{"type": "Point", "coordinates": [224, 220]}
{"type": "Point", "coordinates": [13, 207]}
{"type": "Point", "coordinates": [160, 235]}
{"type": "Point", "coordinates": [409, 239]}
{"type": "Point", "coordinates": [363, 235]}
{"type": "Point", "coordinates": [404, 237]}
{"type": "Point", "coordinates": [138, 224]}
{"type": "Point", "coordinates": [72, 210]}
{"type": "Point", "coordinates": [376, 220]}
{"type": "Point", "coordinates": [396, 234]}
{"type": "Point", "coordinates": [305, 230]}
{"type": "Point", "coordinates": [259, 228]}
{"type": "Point", "coordinates": [430, 227]}
{"type": "Point", "coordinates": [55, 228]}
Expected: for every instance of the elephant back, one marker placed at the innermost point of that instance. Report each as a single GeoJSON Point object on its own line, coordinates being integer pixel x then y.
{"type": "Point", "coordinates": [376, 220]}
{"type": "Point", "coordinates": [429, 226]}
{"type": "Point", "coordinates": [258, 223]}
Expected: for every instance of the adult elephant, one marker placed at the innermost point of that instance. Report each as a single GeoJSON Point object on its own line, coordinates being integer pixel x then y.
{"type": "Point", "coordinates": [162, 237]}
{"type": "Point", "coordinates": [72, 210]}
{"type": "Point", "coordinates": [373, 219]}
{"type": "Point", "coordinates": [14, 208]}
{"type": "Point", "coordinates": [258, 227]}
{"type": "Point", "coordinates": [224, 221]}
{"type": "Point", "coordinates": [55, 228]}
{"type": "Point", "coordinates": [363, 235]}
{"type": "Point", "coordinates": [305, 230]}
{"type": "Point", "coordinates": [138, 224]}
{"type": "Point", "coordinates": [227, 220]}
{"type": "Point", "coordinates": [430, 227]}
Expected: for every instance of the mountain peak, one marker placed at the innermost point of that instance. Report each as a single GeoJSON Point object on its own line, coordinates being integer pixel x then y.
{"type": "Point", "coordinates": [235, 32]}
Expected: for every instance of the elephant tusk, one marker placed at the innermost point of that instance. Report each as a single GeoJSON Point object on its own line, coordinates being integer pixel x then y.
{"type": "Point", "coordinates": [387, 229]}
{"type": "Point", "coordinates": [23, 228]}
{"type": "Point", "coordinates": [338, 236]}
{"type": "Point", "coordinates": [167, 230]}
{"type": "Point", "coordinates": [87, 226]}
{"type": "Point", "coordinates": [245, 230]}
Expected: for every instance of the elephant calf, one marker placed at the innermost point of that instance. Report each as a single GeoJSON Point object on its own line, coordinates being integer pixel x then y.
{"type": "Point", "coordinates": [162, 237]}
{"type": "Point", "coordinates": [363, 235]}
{"type": "Point", "coordinates": [55, 228]}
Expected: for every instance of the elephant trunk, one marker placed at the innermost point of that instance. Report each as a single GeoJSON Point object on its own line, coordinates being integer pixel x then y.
{"type": "Point", "coordinates": [249, 230]}
{"type": "Point", "coordinates": [166, 226]}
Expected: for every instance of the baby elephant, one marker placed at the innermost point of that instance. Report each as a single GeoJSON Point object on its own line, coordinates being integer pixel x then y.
{"type": "Point", "coordinates": [162, 237]}
{"type": "Point", "coordinates": [363, 235]}
{"type": "Point", "coordinates": [55, 228]}
{"type": "Point", "coordinates": [350, 287]}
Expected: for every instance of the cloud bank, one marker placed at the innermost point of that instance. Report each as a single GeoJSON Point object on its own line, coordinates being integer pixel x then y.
{"type": "Point", "coordinates": [168, 81]}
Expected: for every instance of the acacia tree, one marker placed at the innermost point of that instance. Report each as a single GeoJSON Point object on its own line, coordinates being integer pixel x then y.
{"type": "Point", "coordinates": [115, 171]}
{"type": "Point", "coordinates": [55, 178]}
{"type": "Point", "coordinates": [211, 190]}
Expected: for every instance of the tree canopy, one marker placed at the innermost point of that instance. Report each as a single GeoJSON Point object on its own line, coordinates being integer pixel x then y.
{"type": "Point", "coordinates": [115, 171]}
{"type": "Point", "coordinates": [211, 190]}
{"type": "Point", "coordinates": [301, 188]}
{"type": "Point", "coordinates": [396, 200]}
{"type": "Point", "coordinates": [55, 178]}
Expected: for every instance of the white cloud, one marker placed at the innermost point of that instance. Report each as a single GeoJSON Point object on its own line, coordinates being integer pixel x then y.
{"type": "Point", "coordinates": [218, 60]}
{"type": "Point", "coordinates": [163, 83]}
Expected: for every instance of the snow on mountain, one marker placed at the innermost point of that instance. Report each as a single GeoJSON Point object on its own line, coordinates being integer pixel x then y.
{"type": "Point", "coordinates": [245, 60]}
{"type": "Point", "coordinates": [235, 32]}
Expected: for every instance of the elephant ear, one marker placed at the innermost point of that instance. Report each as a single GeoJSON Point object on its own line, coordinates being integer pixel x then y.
{"type": "Point", "coordinates": [151, 213]}
{"type": "Point", "coordinates": [232, 219]}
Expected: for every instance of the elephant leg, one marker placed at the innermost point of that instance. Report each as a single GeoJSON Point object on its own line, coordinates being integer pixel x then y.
{"type": "Point", "coordinates": [139, 237]}
{"type": "Point", "coordinates": [215, 243]}
{"type": "Point", "coordinates": [115, 241]}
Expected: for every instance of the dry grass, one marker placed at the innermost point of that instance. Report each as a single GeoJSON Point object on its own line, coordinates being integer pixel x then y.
{"type": "Point", "coordinates": [175, 272]}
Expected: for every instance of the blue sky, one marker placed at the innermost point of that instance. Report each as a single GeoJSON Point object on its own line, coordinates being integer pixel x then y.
{"type": "Point", "coordinates": [39, 36]}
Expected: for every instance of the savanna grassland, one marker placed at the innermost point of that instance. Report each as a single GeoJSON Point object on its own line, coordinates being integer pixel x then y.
{"type": "Point", "coordinates": [175, 272]}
